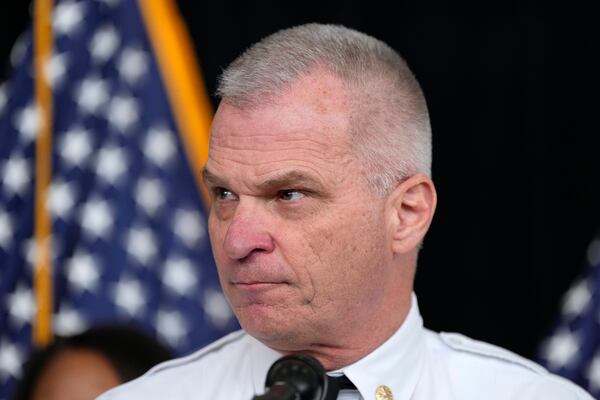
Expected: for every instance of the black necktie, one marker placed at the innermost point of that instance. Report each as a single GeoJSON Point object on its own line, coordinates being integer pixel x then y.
{"type": "Point", "coordinates": [342, 382]}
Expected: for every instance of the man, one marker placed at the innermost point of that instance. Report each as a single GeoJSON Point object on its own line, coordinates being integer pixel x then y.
{"type": "Point", "coordinates": [319, 169]}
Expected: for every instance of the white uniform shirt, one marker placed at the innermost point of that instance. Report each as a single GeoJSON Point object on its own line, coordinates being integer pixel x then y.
{"type": "Point", "coordinates": [414, 363]}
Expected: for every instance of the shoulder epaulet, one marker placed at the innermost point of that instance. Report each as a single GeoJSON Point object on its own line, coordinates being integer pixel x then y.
{"type": "Point", "coordinates": [215, 346]}
{"type": "Point", "coordinates": [463, 343]}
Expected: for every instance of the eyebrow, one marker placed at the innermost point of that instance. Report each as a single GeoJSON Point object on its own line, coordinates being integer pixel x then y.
{"type": "Point", "coordinates": [289, 179]}
{"type": "Point", "coordinates": [211, 178]}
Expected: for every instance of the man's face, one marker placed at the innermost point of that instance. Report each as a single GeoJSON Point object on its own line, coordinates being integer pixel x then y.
{"type": "Point", "coordinates": [298, 237]}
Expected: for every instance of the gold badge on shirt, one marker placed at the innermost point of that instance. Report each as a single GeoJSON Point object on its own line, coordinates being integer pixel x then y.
{"type": "Point", "coordinates": [383, 393]}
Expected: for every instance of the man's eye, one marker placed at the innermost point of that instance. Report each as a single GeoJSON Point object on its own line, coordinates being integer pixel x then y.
{"type": "Point", "coordinates": [290, 195]}
{"type": "Point", "coordinates": [224, 194]}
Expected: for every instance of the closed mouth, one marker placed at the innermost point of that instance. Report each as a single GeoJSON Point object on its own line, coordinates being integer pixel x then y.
{"type": "Point", "coordinates": [256, 283]}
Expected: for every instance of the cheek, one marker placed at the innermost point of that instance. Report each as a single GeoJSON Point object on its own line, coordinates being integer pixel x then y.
{"type": "Point", "coordinates": [216, 232]}
{"type": "Point", "coordinates": [324, 255]}
{"type": "Point", "coordinates": [213, 233]}
{"type": "Point", "coordinates": [347, 256]}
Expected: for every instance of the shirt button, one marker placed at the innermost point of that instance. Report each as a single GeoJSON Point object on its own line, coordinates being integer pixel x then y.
{"type": "Point", "coordinates": [383, 393]}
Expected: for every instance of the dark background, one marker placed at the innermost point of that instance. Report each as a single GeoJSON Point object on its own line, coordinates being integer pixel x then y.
{"type": "Point", "coordinates": [513, 98]}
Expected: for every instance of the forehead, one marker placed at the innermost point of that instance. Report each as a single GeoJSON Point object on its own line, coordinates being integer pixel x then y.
{"type": "Point", "coordinates": [308, 123]}
{"type": "Point", "coordinates": [318, 100]}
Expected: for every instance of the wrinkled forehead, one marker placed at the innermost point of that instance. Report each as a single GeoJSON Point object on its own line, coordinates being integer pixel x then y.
{"type": "Point", "coordinates": [317, 104]}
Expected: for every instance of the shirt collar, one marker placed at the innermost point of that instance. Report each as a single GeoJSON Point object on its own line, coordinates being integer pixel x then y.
{"type": "Point", "coordinates": [397, 363]}
{"type": "Point", "coordinates": [262, 359]}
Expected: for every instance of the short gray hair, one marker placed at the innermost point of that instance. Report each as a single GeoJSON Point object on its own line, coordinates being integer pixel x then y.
{"type": "Point", "coordinates": [391, 133]}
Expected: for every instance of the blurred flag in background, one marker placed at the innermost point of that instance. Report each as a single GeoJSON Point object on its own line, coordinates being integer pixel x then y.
{"type": "Point", "coordinates": [573, 348]}
{"type": "Point", "coordinates": [103, 132]}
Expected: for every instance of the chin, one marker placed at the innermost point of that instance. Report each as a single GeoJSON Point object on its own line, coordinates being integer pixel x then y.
{"type": "Point", "coordinates": [267, 323]}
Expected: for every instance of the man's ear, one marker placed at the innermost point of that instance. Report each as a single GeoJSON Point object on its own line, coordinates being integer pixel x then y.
{"type": "Point", "coordinates": [410, 209]}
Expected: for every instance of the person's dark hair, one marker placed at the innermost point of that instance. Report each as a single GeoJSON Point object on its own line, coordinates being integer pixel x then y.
{"type": "Point", "coordinates": [130, 351]}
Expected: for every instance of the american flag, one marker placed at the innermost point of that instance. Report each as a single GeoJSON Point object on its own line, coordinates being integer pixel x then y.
{"type": "Point", "coordinates": [128, 224]}
{"type": "Point", "coordinates": [573, 348]}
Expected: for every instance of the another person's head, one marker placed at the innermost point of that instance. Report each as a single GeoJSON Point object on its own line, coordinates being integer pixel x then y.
{"type": "Point", "coordinates": [83, 366]}
{"type": "Point", "coordinates": [319, 165]}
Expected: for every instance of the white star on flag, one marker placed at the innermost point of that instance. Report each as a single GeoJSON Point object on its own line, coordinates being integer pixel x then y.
{"type": "Point", "coordinates": [19, 50]}
{"type": "Point", "coordinates": [21, 305]}
{"type": "Point", "coordinates": [132, 65]}
{"type": "Point", "coordinates": [16, 175]}
{"type": "Point", "coordinates": [561, 349]}
{"type": "Point", "coordinates": [180, 276]}
{"type": "Point", "coordinates": [11, 359]}
{"type": "Point", "coordinates": [188, 226]}
{"type": "Point", "coordinates": [68, 15]}
{"type": "Point", "coordinates": [104, 43]}
{"type": "Point", "coordinates": [159, 146]}
{"type": "Point", "coordinates": [30, 252]}
{"type": "Point", "coordinates": [123, 112]}
{"type": "Point", "coordinates": [577, 298]}
{"type": "Point", "coordinates": [55, 70]}
{"type": "Point", "coordinates": [150, 195]}
{"type": "Point", "coordinates": [171, 326]}
{"type": "Point", "coordinates": [75, 146]}
{"type": "Point", "coordinates": [111, 164]}
{"type": "Point", "coordinates": [83, 272]}
{"type": "Point", "coordinates": [68, 321]}
{"type": "Point", "coordinates": [61, 199]}
{"type": "Point", "coordinates": [28, 122]}
{"type": "Point", "coordinates": [92, 95]}
{"type": "Point", "coordinates": [217, 308]}
{"type": "Point", "coordinates": [96, 218]}
{"type": "Point", "coordinates": [142, 245]}
{"type": "Point", "coordinates": [129, 296]}
{"type": "Point", "coordinates": [593, 252]}
{"type": "Point", "coordinates": [6, 230]}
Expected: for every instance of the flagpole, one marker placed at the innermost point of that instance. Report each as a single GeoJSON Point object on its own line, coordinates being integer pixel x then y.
{"type": "Point", "coordinates": [181, 74]}
{"type": "Point", "coordinates": [42, 325]}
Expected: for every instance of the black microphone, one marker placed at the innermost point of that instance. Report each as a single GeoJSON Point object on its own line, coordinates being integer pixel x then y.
{"type": "Point", "coordinates": [298, 377]}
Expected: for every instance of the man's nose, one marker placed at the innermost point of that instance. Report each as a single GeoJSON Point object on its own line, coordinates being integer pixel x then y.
{"type": "Point", "coordinates": [246, 235]}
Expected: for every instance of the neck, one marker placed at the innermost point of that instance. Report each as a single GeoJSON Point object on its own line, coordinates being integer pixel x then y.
{"type": "Point", "coordinates": [339, 350]}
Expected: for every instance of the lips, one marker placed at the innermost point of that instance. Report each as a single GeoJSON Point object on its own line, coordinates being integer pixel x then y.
{"type": "Point", "coordinates": [254, 271]}
{"type": "Point", "coordinates": [257, 279]}
{"type": "Point", "coordinates": [252, 279]}
{"type": "Point", "coordinates": [257, 284]}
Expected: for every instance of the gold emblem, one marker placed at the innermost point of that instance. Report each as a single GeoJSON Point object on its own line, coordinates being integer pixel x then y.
{"type": "Point", "coordinates": [383, 393]}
